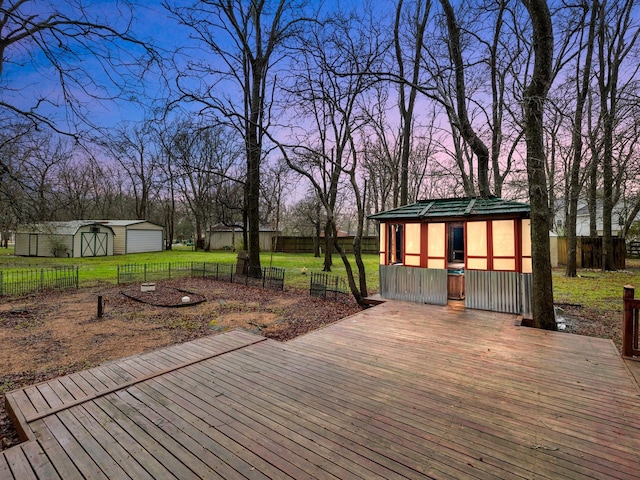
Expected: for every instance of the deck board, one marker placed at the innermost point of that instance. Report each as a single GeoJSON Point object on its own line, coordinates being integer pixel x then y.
{"type": "Point", "coordinates": [397, 391]}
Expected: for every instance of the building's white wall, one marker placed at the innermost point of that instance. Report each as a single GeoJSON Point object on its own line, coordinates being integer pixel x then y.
{"type": "Point", "coordinates": [119, 240]}
{"type": "Point", "coordinates": [21, 246]}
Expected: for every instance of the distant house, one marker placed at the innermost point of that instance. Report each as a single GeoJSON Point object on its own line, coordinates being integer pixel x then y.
{"type": "Point", "coordinates": [476, 249]}
{"type": "Point", "coordinates": [78, 238]}
{"type": "Point", "coordinates": [583, 219]}
{"type": "Point", "coordinates": [225, 237]}
{"type": "Point", "coordinates": [88, 238]}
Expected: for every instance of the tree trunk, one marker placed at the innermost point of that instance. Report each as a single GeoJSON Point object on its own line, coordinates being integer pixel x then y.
{"type": "Point", "coordinates": [534, 99]}
{"type": "Point", "coordinates": [316, 239]}
{"type": "Point", "coordinates": [328, 233]}
{"type": "Point", "coordinates": [576, 141]}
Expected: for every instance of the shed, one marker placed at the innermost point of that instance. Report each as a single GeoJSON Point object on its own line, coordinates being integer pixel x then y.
{"type": "Point", "coordinates": [222, 237]}
{"type": "Point", "coordinates": [135, 236]}
{"type": "Point", "coordinates": [77, 238]}
{"type": "Point", "coordinates": [472, 249]}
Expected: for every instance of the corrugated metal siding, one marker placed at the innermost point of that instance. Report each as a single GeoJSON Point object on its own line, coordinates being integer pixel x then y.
{"type": "Point", "coordinates": [525, 294]}
{"type": "Point", "coordinates": [144, 241]}
{"type": "Point", "coordinates": [423, 285]}
{"type": "Point", "coordinates": [508, 292]}
{"type": "Point", "coordinates": [22, 244]}
{"type": "Point", "coordinates": [119, 239]}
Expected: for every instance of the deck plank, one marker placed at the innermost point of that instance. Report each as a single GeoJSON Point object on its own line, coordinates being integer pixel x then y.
{"type": "Point", "coordinates": [307, 426]}
{"type": "Point", "coordinates": [241, 459]}
{"type": "Point", "coordinates": [5, 472]}
{"type": "Point", "coordinates": [286, 438]}
{"type": "Point", "coordinates": [127, 442]}
{"type": "Point", "coordinates": [87, 464]}
{"type": "Point", "coordinates": [19, 464]}
{"type": "Point", "coordinates": [273, 454]}
{"type": "Point", "coordinates": [39, 461]}
{"type": "Point", "coordinates": [397, 391]}
{"type": "Point", "coordinates": [179, 461]}
{"type": "Point", "coordinates": [366, 426]}
{"type": "Point", "coordinates": [226, 464]}
{"type": "Point", "coordinates": [362, 399]}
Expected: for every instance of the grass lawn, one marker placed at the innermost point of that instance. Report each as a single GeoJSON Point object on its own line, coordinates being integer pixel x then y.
{"type": "Point", "coordinates": [595, 289]}
{"type": "Point", "coordinates": [591, 289]}
{"type": "Point", "coordinates": [104, 269]}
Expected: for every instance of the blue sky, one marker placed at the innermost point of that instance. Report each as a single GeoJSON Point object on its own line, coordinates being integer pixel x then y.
{"type": "Point", "coordinates": [28, 75]}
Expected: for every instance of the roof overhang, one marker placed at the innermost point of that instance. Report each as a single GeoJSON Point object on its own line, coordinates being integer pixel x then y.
{"type": "Point", "coordinates": [456, 209]}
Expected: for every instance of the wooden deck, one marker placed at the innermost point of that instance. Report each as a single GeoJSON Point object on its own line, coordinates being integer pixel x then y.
{"type": "Point", "coordinates": [398, 391]}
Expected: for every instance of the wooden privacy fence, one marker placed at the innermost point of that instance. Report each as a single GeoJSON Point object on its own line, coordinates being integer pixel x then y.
{"type": "Point", "coordinates": [306, 244]}
{"type": "Point", "coordinates": [20, 282]}
{"type": "Point", "coordinates": [630, 324]}
{"type": "Point", "coordinates": [589, 252]}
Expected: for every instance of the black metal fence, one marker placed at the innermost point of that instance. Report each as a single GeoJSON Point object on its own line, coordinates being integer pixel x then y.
{"type": "Point", "coordinates": [21, 282]}
{"type": "Point", "coordinates": [150, 272]}
{"type": "Point", "coordinates": [265, 277]}
{"type": "Point", "coordinates": [328, 286]}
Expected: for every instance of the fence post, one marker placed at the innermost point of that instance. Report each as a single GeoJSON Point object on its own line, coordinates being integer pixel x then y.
{"type": "Point", "coordinates": [1, 283]}
{"type": "Point", "coordinates": [169, 270]}
{"type": "Point", "coordinates": [627, 321]}
{"type": "Point", "coordinates": [77, 277]}
{"type": "Point", "coordinates": [145, 273]}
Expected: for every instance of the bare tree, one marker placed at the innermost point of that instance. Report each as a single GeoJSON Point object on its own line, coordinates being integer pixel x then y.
{"type": "Point", "coordinates": [411, 46]}
{"type": "Point", "coordinates": [463, 122]}
{"type": "Point", "coordinates": [306, 217]}
{"type": "Point", "coordinates": [67, 43]}
{"type": "Point", "coordinates": [137, 151]}
{"type": "Point", "coordinates": [582, 83]}
{"type": "Point", "coordinates": [246, 40]}
{"type": "Point", "coordinates": [534, 100]}
{"type": "Point", "coordinates": [201, 159]}
{"type": "Point", "coordinates": [617, 35]}
{"type": "Point", "coordinates": [332, 81]}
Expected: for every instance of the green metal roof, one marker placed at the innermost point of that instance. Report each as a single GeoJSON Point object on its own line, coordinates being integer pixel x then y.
{"type": "Point", "coordinates": [455, 208]}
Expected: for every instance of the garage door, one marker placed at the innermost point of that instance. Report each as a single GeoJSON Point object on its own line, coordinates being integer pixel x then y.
{"type": "Point", "coordinates": [144, 241]}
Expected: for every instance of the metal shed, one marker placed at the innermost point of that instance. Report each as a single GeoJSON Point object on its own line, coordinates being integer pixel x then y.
{"type": "Point", "coordinates": [135, 236]}
{"type": "Point", "coordinates": [472, 249]}
{"type": "Point", "coordinates": [77, 238]}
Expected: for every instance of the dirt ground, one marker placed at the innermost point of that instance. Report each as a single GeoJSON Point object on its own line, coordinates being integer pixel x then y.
{"type": "Point", "coordinates": [47, 335]}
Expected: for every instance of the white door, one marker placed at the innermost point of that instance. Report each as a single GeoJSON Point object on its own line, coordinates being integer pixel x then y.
{"type": "Point", "coordinates": [144, 241]}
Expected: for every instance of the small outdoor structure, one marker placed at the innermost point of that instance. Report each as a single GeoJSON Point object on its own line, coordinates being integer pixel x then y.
{"type": "Point", "coordinates": [476, 249]}
{"type": "Point", "coordinates": [78, 238]}
{"type": "Point", "coordinates": [223, 237]}
{"type": "Point", "coordinates": [135, 236]}
{"type": "Point", "coordinates": [94, 238]}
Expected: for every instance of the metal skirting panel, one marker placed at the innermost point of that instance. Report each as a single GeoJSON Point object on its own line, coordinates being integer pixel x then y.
{"type": "Point", "coordinates": [526, 281]}
{"type": "Point", "coordinates": [423, 285]}
{"type": "Point", "coordinates": [508, 292]}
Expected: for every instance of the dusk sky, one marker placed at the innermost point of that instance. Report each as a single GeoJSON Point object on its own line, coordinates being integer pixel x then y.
{"type": "Point", "coordinates": [28, 75]}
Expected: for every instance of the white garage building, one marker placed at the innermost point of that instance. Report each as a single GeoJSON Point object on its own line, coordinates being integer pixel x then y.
{"type": "Point", "coordinates": [89, 238]}
{"type": "Point", "coordinates": [135, 236]}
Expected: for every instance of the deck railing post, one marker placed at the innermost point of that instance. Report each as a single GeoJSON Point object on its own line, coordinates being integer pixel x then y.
{"type": "Point", "coordinates": [628, 329]}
